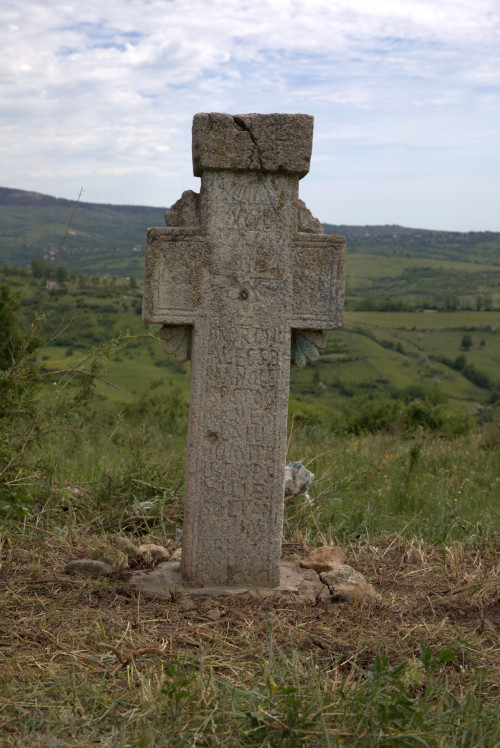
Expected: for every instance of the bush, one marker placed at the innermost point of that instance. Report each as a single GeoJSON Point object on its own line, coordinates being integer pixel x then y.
{"type": "Point", "coordinates": [26, 415]}
{"type": "Point", "coordinates": [169, 405]}
{"type": "Point", "coordinates": [466, 341]}
{"type": "Point", "coordinates": [449, 421]}
{"type": "Point", "coordinates": [370, 414]}
{"type": "Point", "coordinates": [9, 334]}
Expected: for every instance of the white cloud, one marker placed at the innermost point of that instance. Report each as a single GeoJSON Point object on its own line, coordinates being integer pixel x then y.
{"type": "Point", "coordinates": [103, 92]}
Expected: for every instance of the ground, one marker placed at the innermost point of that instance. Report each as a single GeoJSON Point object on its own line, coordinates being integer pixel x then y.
{"type": "Point", "coordinates": [89, 661]}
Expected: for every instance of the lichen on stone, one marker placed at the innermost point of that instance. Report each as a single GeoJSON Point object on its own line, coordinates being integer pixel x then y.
{"type": "Point", "coordinates": [305, 344]}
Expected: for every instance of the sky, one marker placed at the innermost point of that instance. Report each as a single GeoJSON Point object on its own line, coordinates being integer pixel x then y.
{"type": "Point", "coordinates": [405, 96]}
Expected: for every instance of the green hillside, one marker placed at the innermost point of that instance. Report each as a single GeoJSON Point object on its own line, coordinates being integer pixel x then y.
{"type": "Point", "coordinates": [397, 241]}
{"type": "Point", "coordinates": [406, 267]}
{"type": "Point", "coordinates": [34, 225]}
{"type": "Point", "coordinates": [379, 282]}
{"type": "Point", "coordinates": [371, 369]}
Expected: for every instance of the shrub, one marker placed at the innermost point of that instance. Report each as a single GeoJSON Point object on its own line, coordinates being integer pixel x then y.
{"type": "Point", "coordinates": [27, 414]}
{"type": "Point", "coordinates": [369, 414]}
{"type": "Point", "coordinates": [466, 342]}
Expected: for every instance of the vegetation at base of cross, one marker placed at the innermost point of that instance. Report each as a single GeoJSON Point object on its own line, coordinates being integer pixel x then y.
{"type": "Point", "coordinates": [399, 421]}
{"type": "Point", "coordinates": [87, 661]}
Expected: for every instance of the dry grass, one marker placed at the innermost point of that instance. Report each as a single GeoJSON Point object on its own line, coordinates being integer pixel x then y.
{"type": "Point", "coordinates": [89, 661]}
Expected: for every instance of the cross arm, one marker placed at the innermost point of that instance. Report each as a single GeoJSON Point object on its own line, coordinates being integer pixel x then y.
{"type": "Point", "coordinates": [175, 264]}
{"type": "Point", "coordinates": [318, 282]}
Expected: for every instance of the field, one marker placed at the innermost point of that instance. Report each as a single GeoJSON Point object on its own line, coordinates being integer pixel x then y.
{"type": "Point", "coordinates": [398, 419]}
{"type": "Point", "coordinates": [388, 283]}
{"type": "Point", "coordinates": [391, 354]}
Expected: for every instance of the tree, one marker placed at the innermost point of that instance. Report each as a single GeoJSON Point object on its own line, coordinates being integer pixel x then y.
{"type": "Point", "coordinates": [466, 341]}
{"type": "Point", "coordinates": [9, 336]}
{"type": "Point", "coordinates": [451, 303]}
{"type": "Point", "coordinates": [39, 268]}
{"type": "Point", "coordinates": [488, 303]}
{"type": "Point", "coordinates": [61, 274]}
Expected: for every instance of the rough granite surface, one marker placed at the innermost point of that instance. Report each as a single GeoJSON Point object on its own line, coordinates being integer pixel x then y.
{"type": "Point", "coordinates": [267, 143]}
{"type": "Point", "coordinates": [234, 272]}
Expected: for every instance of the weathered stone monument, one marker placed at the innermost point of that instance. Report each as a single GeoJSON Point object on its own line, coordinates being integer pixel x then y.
{"type": "Point", "coordinates": [240, 270]}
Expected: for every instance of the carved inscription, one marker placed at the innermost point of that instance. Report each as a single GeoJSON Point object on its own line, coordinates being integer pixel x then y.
{"type": "Point", "coordinates": [255, 209]}
{"type": "Point", "coordinates": [243, 379]}
{"type": "Point", "coordinates": [243, 359]}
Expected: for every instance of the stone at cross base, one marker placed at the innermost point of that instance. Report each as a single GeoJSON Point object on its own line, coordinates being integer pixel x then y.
{"type": "Point", "coordinates": [240, 273]}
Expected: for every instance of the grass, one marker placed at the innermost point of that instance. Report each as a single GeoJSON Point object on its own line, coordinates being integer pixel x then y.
{"type": "Point", "coordinates": [367, 266]}
{"type": "Point", "coordinates": [90, 661]}
{"type": "Point", "coordinates": [442, 490]}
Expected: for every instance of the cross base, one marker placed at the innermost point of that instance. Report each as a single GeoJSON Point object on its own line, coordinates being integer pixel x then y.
{"type": "Point", "coordinates": [165, 581]}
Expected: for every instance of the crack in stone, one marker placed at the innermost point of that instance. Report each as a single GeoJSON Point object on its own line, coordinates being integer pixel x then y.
{"type": "Point", "coordinates": [240, 122]}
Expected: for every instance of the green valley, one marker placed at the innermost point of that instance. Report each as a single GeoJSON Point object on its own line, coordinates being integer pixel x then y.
{"type": "Point", "coordinates": [450, 360]}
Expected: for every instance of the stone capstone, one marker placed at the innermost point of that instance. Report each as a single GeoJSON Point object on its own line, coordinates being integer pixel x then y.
{"type": "Point", "coordinates": [268, 143]}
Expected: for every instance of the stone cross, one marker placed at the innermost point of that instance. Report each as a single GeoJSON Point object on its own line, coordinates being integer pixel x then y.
{"type": "Point", "coordinates": [231, 278]}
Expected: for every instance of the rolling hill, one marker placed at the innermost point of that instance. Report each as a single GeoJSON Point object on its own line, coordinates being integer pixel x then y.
{"type": "Point", "coordinates": [32, 223]}
{"type": "Point", "coordinates": [389, 267]}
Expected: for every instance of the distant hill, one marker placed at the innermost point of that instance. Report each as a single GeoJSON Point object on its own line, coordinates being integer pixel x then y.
{"type": "Point", "coordinates": [482, 247]}
{"type": "Point", "coordinates": [110, 238]}
{"type": "Point", "coordinates": [34, 225]}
